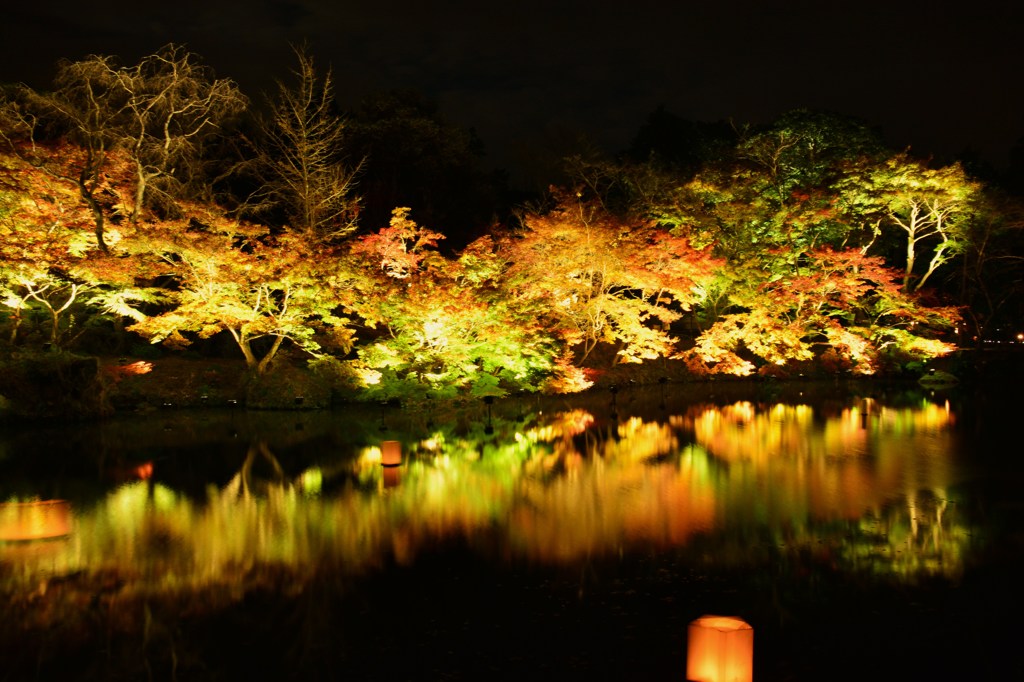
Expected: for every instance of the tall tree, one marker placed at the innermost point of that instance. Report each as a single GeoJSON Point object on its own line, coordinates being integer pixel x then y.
{"type": "Point", "coordinates": [302, 158]}
{"type": "Point", "coordinates": [989, 282]}
{"type": "Point", "coordinates": [159, 112]}
{"type": "Point", "coordinates": [83, 108]}
{"type": "Point", "coordinates": [170, 104]}
{"type": "Point", "coordinates": [680, 145]}
{"type": "Point", "coordinates": [415, 158]}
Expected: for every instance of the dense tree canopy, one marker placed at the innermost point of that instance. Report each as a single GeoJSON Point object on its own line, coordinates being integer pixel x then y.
{"type": "Point", "coordinates": [800, 244]}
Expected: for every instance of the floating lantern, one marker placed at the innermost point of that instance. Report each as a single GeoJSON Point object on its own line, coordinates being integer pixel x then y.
{"type": "Point", "coordinates": [391, 453]}
{"type": "Point", "coordinates": [720, 649]}
{"type": "Point", "coordinates": [34, 520]}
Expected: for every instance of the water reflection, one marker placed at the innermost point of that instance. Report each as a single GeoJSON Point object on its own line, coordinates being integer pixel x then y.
{"type": "Point", "coordinates": [861, 486]}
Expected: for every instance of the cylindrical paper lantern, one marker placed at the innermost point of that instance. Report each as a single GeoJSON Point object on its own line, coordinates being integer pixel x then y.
{"type": "Point", "coordinates": [391, 453]}
{"type": "Point", "coordinates": [720, 649]}
{"type": "Point", "coordinates": [35, 520]}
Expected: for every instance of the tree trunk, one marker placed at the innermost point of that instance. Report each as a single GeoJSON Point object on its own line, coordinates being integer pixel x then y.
{"type": "Point", "coordinates": [15, 326]}
{"type": "Point", "coordinates": [246, 346]}
{"type": "Point", "coordinates": [265, 362]}
{"type": "Point", "coordinates": [97, 213]}
{"type": "Point", "coordinates": [140, 192]}
{"type": "Point", "coordinates": [911, 257]}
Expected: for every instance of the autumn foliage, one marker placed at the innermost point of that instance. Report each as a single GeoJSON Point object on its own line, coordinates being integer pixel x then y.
{"type": "Point", "coordinates": [768, 262]}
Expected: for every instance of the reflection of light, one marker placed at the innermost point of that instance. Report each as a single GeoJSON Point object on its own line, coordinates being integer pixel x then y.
{"type": "Point", "coordinates": [639, 440]}
{"type": "Point", "coordinates": [740, 432]}
{"type": "Point", "coordinates": [139, 472]}
{"type": "Point", "coordinates": [567, 424]}
{"type": "Point", "coordinates": [370, 455]}
{"type": "Point", "coordinates": [139, 367]}
{"type": "Point", "coordinates": [312, 481]}
{"type": "Point", "coordinates": [789, 470]}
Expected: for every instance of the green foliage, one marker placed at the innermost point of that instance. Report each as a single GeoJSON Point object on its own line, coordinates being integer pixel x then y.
{"type": "Point", "coordinates": [801, 243]}
{"type": "Point", "coordinates": [443, 326]}
{"type": "Point", "coordinates": [242, 281]}
{"type": "Point", "coordinates": [805, 150]}
{"type": "Point", "coordinates": [929, 210]}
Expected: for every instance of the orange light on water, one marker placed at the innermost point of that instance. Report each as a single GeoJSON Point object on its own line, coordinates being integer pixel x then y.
{"type": "Point", "coordinates": [720, 649]}
{"type": "Point", "coordinates": [34, 520]}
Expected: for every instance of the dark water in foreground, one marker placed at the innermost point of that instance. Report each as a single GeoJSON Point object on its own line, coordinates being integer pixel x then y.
{"type": "Point", "coordinates": [871, 532]}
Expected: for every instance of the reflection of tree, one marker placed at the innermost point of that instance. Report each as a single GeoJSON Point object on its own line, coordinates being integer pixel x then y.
{"type": "Point", "coordinates": [917, 535]}
{"type": "Point", "coordinates": [242, 482]}
{"type": "Point", "coordinates": [560, 486]}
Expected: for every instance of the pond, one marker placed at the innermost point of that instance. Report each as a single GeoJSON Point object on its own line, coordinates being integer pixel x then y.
{"type": "Point", "coordinates": [861, 530]}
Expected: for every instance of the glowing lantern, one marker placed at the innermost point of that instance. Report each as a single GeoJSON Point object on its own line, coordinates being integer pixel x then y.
{"type": "Point", "coordinates": [720, 649]}
{"type": "Point", "coordinates": [390, 453]}
{"type": "Point", "coordinates": [34, 520]}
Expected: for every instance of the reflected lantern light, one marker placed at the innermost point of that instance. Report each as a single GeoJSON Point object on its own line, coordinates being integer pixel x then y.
{"type": "Point", "coordinates": [720, 649]}
{"type": "Point", "coordinates": [392, 476]}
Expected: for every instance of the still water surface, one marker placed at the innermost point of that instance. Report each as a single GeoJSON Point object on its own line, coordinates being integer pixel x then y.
{"type": "Point", "coordinates": [883, 484]}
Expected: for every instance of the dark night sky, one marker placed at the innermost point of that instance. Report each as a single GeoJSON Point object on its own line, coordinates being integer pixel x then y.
{"type": "Point", "coordinates": [529, 76]}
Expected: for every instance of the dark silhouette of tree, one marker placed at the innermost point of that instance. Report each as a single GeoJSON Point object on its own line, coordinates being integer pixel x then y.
{"type": "Point", "coordinates": [679, 144]}
{"type": "Point", "coordinates": [414, 158]}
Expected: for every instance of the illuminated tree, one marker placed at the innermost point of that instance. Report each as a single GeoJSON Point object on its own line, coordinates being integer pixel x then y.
{"type": "Point", "coordinates": [233, 278]}
{"type": "Point", "coordinates": [401, 249]}
{"type": "Point", "coordinates": [795, 280]}
{"type": "Point", "coordinates": [599, 279]}
{"type": "Point", "coordinates": [440, 326]}
{"type": "Point", "coordinates": [301, 162]}
{"type": "Point", "coordinates": [932, 208]}
{"type": "Point", "coordinates": [48, 261]}
{"type": "Point", "coordinates": [167, 107]}
{"type": "Point", "coordinates": [82, 108]}
{"type": "Point", "coordinates": [836, 300]}
{"type": "Point", "coordinates": [159, 113]}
